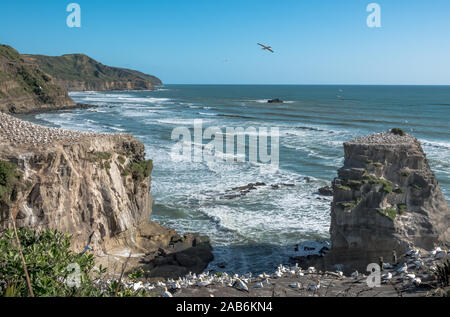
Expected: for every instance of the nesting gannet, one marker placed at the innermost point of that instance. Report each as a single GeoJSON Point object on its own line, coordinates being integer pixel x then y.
{"type": "Point", "coordinates": [137, 286]}
{"type": "Point", "coordinates": [355, 274]}
{"type": "Point", "coordinates": [314, 287]}
{"type": "Point", "coordinates": [387, 266]}
{"type": "Point", "coordinates": [436, 251]}
{"type": "Point", "coordinates": [240, 285]}
{"type": "Point", "coordinates": [259, 285]}
{"type": "Point", "coordinates": [161, 284]}
{"type": "Point", "coordinates": [417, 281]}
{"type": "Point", "coordinates": [296, 285]}
{"type": "Point", "coordinates": [418, 264]}
{"type": "Point", "coordinates": [387, 276]}
{"type": "Point", "coordinates": [166, 293]}
{"type": "Point", "coordinates": [278, 274]}
{"type": "Point", "coordinates": [202, 283]}
{"type": "Point", "coordinates": [311, 270]}
{"type": "Point", "coordinates": [403, 269]}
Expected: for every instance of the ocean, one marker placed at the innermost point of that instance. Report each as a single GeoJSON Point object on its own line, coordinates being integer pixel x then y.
{"type": "Point", "coordinates": [258, 231]}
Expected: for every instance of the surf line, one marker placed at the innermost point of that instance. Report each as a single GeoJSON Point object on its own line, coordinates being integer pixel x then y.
{"type": "Point", "coordinates": [231, 146]}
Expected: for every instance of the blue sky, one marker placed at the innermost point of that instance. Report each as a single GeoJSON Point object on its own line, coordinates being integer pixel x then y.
{"type": "Point", "coordinates": [214, 41]}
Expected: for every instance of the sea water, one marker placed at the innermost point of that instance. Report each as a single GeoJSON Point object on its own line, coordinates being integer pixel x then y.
{"type": "Point", "coordinates": [259, 231]}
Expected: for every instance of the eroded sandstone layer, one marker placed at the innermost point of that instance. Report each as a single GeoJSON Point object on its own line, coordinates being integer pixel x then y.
{"type": "Point", "coordinates": [88, 185]}
{"type": "Point", "coordinates": [385, 198]}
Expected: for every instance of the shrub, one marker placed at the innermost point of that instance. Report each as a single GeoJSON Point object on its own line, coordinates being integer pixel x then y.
{"type": "Point", "coordinates": [389, 212]}
{"type": "Point", "coordinates": [342, 187]}
{"type": "Point", "coordinates": [121, 159]}
{"type": "Point", "coordinates": [48, 256]}
{"type": "Point", "coordinates": [141, 169]}
{"type": "Point", "coordinates": [401, 208]}
{"type": "Point", "coordinates": [398, 190]}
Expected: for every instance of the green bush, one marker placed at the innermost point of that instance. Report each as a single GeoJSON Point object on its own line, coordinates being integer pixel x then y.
{"type": "Point", "coordinates": [141, 169]}
{"type": "Point", "coordinates": [49, 262]}
{"type": "Point", "coordinates": [121, 159]}
{"type": "Point", "coordinates": [401, 208]}
{"type": "Point", "coordinates": [389, 212]}
{"type": "Point", "coordinates": [47, 256]}
{"type": "Point", "coordinates": [342, 187]}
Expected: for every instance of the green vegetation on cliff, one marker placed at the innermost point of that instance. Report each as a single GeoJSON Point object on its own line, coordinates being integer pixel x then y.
{"type": "Point", "coordinates": [25, 87]}
{"type": "Point", "coordinates": [80, 72]}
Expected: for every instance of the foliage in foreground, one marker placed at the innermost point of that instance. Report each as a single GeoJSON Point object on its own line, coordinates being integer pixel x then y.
{"type": "Point", "coordinates": [52, 267]}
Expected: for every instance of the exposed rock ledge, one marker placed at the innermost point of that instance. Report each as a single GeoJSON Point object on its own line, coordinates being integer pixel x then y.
{"type": "Point", "coordinates": [84, 183]}
{"type": "Point", "coordinates": [386, 198]}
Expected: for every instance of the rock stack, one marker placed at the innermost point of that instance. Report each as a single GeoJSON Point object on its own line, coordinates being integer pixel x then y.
{"type": "Point", "coordinates": [385, 199]}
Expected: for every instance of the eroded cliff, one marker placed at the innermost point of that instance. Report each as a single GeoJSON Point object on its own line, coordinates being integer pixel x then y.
{"type": "Point", "coordinates": [94, 186]}
{"type": "Point", "coordinates": [386, 198]}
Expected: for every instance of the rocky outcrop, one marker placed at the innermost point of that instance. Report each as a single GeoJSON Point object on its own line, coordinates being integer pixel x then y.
{"type": "Point", "coordinates": [24, 87]}
{"type": "Point", "coordinates": [78, 72]}
{"type": "Point", "coordinates": [95, 187]}
{"type": "Point", "coordinates": [385, 198]}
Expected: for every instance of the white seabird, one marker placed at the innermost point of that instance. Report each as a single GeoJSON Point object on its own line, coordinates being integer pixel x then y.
{"type": "Point", "coordinates": [296, 285]}
{"type": "Point", "coordinates": [314, 287]}
{"type": "Point", "coordinates": [240, 285]}
{"type": "Point", "coordinates": [166, 293]}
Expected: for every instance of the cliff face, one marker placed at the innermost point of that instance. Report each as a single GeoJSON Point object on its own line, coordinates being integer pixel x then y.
{"type": "Point", "coordinates": [87, 185]}
{"type": "Point", "coordinates": [77, 72]}
{"type": "Point", "coordinates": [385, 198]}
{"type": "Point", "coordinates": [24, 87]}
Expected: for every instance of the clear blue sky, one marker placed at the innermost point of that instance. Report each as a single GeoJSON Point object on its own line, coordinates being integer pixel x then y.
{"type": "Point", "coordinates": [214, 41]}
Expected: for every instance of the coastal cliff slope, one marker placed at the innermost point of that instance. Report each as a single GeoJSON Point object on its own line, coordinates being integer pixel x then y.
{"type": "Point", "coordinates": [88, 185]}
{"type": "Point", "coordinates": [386, 198]}
{"type": "Point", "coordinates": [24, 87]}
{"type": "Point", "coordinates": [78, 72]}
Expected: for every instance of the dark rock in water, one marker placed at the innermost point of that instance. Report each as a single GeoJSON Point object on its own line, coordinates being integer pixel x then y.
{"type": "Point", "coordinates": [191, 253]}
{"type": "Point", "coordinates": [221, 265]}
{"type": "Point", "coordinates": [276, 100]}
{"type": "Point", "coordinates": [275, 186]}
{"type": "Point", "coordinates": [308, 249]}
{"type": "Point", "coordinates": [288, 185]}
{"type": "Point", "coordinates": [260, 184]}
{"type": "Point", "coordinates": [326, 191]}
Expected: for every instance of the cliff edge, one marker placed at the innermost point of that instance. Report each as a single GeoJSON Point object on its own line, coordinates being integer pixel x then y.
{"type": "Point", "coordinates": [95, 187]}
{"type": "Point", "coordinates": [385, 198]}
{"type": "Point", "coordinates": [79, 72]}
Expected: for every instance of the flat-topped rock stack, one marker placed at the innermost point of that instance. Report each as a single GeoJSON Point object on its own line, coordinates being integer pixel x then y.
{"type": "Point", "coordinates": [385, 199]}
